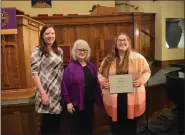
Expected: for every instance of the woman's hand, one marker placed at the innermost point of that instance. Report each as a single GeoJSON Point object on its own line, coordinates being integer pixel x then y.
{"type": "Point", "coordinates": [136, 83]}
{"type": "Point", "coordinates": [45, 98]}
{"type": "Point", "coordinates": [70, 108]}
{"type": "Point", "coordinates": [106, 85]}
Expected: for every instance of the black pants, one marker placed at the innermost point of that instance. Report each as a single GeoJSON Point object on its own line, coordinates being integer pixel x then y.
{"type": "Point", "coordinates": [82, 120]}
{"type": "Point", "coordinates": [123, 126]}
{"type": "Point", "coordinates": [50, 124]}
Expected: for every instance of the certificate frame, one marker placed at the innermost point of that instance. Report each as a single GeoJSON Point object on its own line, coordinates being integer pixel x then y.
{"type": "Point", "coordinates": [121, 83]}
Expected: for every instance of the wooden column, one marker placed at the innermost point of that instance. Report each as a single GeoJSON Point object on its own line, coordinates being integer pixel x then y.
{"type": "Point", "coordinates": [137, 30]}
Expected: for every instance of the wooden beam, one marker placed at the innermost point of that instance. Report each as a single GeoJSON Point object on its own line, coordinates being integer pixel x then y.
{"type": "Point", "coordinates": [137, 30]}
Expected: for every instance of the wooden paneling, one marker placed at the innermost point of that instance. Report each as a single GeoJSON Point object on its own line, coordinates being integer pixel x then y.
{"type": "Point", "coordinates": [59, 34]}
{"type": "Point", "coordinates": [69, 34]}
{"type": "Point", "coordinates": [137, 29]}
{"type": "Point", "coordinates": [126, 28]}
{"type": "Point", "coordinates": [166, 63]}
{"type": "Point", "coordinates": [96, 31]}
{"type": "Point", "coordinates": [11, 124]}
{"type": "Point", "coordinates": [147, 39]}
{"type": "Point", "coordinates": [92, 27]}
{"type": "Point", "coordinates": [10, 63]}
{"type": "Point", "coordinates": [85, 19]}
{"type": "Point", "coordinates": [12, 94]}
{"type": "Point", "coordinates": [67, 56]}
{"type": "Point", "coordinates": [28, 39]}
{"type": "Point", "coordinates": [15, 55]}
{"type": "Point", "coordinates": [19, 119]}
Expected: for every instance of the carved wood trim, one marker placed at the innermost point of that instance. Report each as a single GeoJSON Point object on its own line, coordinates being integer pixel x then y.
{"type": "Point", "coordinates": [30, 21]}
{"type": "Point", "coordinates": [4, 59]}
{"type": "Point", "coordinates": [84, 19]}
{"type": "Point", "coordinates": [16, 94]}
{"type": "Point", "coordinates": [9, 44]}
{"type": "Point", "coordinates": [110, 25]}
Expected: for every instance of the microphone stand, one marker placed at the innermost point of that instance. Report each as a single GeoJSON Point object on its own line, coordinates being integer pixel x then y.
{"type": "Point", "coordinates": [146, 126]}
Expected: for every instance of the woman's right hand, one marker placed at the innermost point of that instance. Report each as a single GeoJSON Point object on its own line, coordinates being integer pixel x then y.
{"type": "Point", "coordinates": [70, 108]}
{"type": "Point", "coordinates": [106, 85]}
{"type": "Point", "coordinates": [45, 98]}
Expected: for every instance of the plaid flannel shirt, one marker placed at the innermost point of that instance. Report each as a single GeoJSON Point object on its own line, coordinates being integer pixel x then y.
{"type": "Point", "coordinates": [50, 70]}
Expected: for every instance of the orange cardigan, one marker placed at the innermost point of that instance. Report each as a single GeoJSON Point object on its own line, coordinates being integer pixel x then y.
{"type": "Point", "coordinates": [139, 68]}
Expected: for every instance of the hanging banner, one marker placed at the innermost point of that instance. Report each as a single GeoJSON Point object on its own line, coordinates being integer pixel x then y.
{"type": "Point", "coordinates": [8, 21]}
{"type": "Point", "coordinates": [41, 3]}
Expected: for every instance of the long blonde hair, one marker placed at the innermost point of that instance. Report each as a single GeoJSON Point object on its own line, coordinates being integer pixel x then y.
{"type": "Point", "coordinates": [114, 54]}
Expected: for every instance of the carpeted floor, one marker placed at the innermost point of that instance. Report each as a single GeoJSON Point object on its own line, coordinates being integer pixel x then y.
{"type": "Point", "coordinates": [163, 124]}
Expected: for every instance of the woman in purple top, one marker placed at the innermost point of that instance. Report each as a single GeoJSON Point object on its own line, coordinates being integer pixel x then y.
{"type": "Point", "coordinates": [81, 89]}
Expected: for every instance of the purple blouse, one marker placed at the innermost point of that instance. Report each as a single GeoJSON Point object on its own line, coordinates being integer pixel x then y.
{"type": "Point", "coordinates": [73, 85]}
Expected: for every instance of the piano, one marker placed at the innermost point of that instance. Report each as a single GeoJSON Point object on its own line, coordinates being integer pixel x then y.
{"type": "Point", "coordinates": [175, 92]}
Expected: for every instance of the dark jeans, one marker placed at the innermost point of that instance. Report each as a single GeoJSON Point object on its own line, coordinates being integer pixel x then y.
{"type": "Point", "coordinates": [123, 126]}
{"type": "Point", "coordinates": [50, 124]}
{"type": "Point", "coordinates": [82, 120]}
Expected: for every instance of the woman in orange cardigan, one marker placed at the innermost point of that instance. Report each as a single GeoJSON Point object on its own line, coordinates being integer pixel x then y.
{"type": "Point", "coordinates": [124, 108]}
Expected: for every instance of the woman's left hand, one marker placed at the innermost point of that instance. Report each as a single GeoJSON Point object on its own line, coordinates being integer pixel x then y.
{"type": "Point", "coordinates": [136, 83]}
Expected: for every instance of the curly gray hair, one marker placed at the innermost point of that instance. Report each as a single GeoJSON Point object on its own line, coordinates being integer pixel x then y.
{"type": "Point", "coordinates": [84, 45]}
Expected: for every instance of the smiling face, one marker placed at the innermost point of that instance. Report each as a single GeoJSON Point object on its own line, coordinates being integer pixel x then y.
{"type": "Point", "coordinates": [49, 36]}
{"type": "Point", "coordinates": [81, 52]}
{"type": "Point", "coordinates": [122, 43]}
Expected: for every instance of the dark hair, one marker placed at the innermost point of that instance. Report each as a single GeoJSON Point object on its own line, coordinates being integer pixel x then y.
{"type": "Point", "coordinates": [43, 46]}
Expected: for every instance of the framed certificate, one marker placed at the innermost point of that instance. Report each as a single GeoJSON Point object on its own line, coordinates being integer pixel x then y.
{"type": "Point", "coordinates": [121, 83]}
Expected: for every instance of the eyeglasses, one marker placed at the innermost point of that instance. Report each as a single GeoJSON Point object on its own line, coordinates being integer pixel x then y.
{"type": "Point", "coordinates": [82, 50]}
{"type": "Point", "coordinates": [121, 40]}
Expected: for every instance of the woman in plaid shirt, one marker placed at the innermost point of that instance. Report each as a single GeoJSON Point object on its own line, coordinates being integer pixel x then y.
{"type": "Point", "coordinates": [47, 68]}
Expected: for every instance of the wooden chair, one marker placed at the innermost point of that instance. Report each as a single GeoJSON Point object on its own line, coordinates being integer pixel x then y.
{"type": "Point", "coordinates": [106, 45]}
{"type": "Point", "coordinates": [67, 53]}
